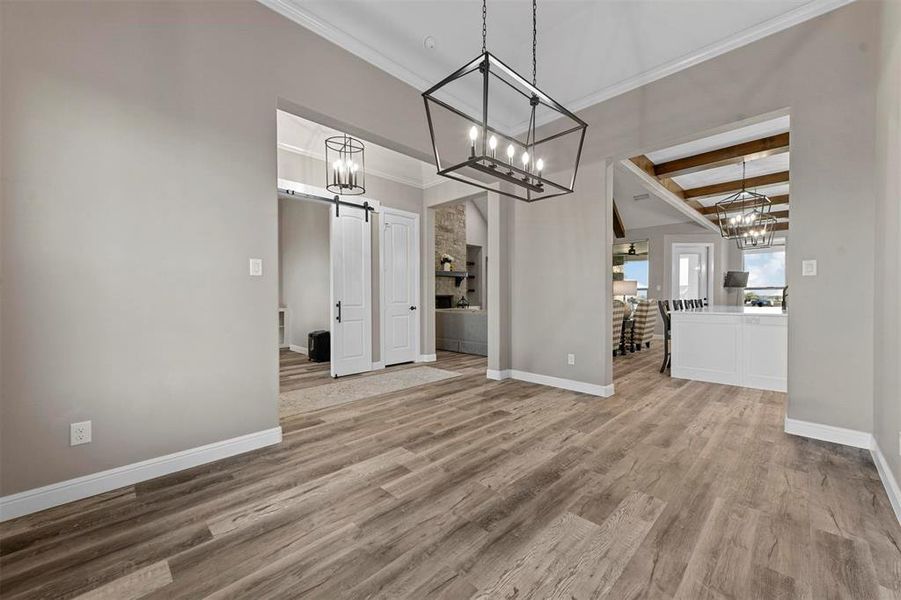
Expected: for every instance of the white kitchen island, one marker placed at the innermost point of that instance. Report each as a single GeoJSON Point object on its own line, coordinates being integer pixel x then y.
{"type": "Point", "coordinates": [735, 345]}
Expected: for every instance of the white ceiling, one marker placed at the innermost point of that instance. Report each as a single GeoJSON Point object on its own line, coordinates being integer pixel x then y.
{"type": "Point", "coordinates": [753, 168]}
{"type": "Point", "coordinates": [307, 138]}
{"type": "Point", "coordinates": [646, 212]}
{"type": "Point", "coordinates": [588, 50]}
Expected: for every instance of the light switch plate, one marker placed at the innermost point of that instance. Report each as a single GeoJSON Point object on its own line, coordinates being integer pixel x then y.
{"type": "Point", "coordinates": [571, 359]}
{"type": "Point", "coordinates": [809, 268]}
{"type": "Point", "coordinates": [256, 267]}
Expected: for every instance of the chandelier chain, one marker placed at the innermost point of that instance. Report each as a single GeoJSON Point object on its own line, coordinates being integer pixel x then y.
{"type": "Point", "coordinates": [484, 25]}
{"type": "Point", "coordinates": [534, 42]}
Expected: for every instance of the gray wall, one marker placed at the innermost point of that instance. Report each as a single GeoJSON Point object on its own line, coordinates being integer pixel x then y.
{"type": "Point", "coordinates": [560, 277]}
{"type": "Point", "coordinates": [139, 168]}
{"type": "Point", "coordinates": [824, 72]}
{"type": "Point", "coordinates": [887, 341]}
{"type": "Point", "coordinates": [476, 226]}
{"type": "Point", "coordinates": [303, 245]}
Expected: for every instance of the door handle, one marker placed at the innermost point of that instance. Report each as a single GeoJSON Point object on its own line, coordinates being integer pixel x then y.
{"type": "Point", "coordinates": [412, 308]}
{"type": "Point", "coordinates": [338, 318]}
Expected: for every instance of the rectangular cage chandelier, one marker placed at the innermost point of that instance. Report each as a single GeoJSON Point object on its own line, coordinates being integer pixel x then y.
{"type": "Point", "coordinates": [492, 128]}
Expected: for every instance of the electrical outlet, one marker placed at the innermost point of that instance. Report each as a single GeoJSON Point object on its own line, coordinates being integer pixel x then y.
{"type": "Point", "coordinates": [571, 359]}
{"type": "Point", "coordinates": [79, 433]}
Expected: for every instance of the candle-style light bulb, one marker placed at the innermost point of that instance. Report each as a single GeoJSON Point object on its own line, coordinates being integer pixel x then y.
{"type": "Point", "coordinates": [510, 152]}
{"type": "Point", "coordinates": [473, 136]}
{"type": "Point", "coordinates": [492, 144]}
{"type": "Point", "coordinates": [525, 160]}
{"type": "Point", "coordinates": [539, 165]}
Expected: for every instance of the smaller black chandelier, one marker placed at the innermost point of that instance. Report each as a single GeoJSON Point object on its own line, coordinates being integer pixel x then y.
{"type": "Point", "coordinates": [745, 216]}
{"type": "Point", "coordinates": [345, 163]}
{"type": "Point", "coordinates": [518, 136]}
{"type": "Point", "coordinates": [758, 235]}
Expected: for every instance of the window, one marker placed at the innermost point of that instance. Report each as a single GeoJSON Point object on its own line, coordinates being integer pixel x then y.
{"type": "Point", "coordinates": [766, 276]}
{"type": "Point", "coordinates": [638, 270]}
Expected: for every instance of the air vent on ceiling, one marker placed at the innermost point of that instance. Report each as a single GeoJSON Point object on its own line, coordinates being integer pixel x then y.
{"type": "Point", "coordinates": [640, 197]}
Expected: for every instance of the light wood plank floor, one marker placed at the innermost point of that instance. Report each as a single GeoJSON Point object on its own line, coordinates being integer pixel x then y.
{"type": "Point", "coordinates": [469, 488]}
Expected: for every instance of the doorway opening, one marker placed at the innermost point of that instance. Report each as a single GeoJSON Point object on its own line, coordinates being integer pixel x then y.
{"type": "Point", "coordinates": [460, 266]}
{"type": "Point", "coordinates": [349, 266]}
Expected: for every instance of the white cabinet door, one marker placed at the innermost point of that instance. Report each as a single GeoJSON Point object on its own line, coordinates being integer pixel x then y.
{"type": "Point", "coordinates": [351, 292]}
{"type": "Point", "coordinates": [400, 286]}
{"type": "Point", "coordinates": [765, 353]}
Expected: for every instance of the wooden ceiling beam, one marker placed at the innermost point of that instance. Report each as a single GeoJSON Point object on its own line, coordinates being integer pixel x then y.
{"type": "Point", "coordinates": [736, 185]}
{"type": "Point", "coordinates": [731, 155]}
{"type": "Point", "coordinates": [781, 199]}
{"type": "Point", "coordinates": [619, 229]}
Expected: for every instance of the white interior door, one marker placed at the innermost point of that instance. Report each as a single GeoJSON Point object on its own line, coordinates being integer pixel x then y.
{"type": "Point", "coordinates": [691, 271]}
{"type": "Point", "coordinates": [400, 286]}
{"type": "Point", "coordinates": [351, 293]}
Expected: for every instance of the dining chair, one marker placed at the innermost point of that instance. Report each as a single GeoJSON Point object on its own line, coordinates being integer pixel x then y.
{"type": "Point", "coordinates": [644, 320]}
{"type": "Point", "coordinates": [616, 327]}
{"type": "Point", "coordinates": [665, 316]}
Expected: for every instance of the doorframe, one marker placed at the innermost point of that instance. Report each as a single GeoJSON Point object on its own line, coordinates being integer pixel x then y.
{"type": "Point", "coordinates": [710, 265]}
{"type": "Point", "coordinates": [321, 194]}
{"type": "Point", "coordinates": [416, 280]}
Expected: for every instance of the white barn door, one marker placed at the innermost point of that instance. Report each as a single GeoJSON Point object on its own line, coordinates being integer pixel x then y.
{"type": "Point", "coordinates": [351, 293]}
{"type": "Point", "coordinates": [400, 286]}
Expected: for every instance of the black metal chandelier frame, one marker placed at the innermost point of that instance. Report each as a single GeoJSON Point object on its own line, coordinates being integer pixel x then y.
{"type": "Point", "coordinates": [490, 68]}
{"type": "Point", "coordinates": [759, 235]}
{"type": "Point", "coordinates": [345, 165]}
{"type": "Point", "coordinates": [742, 212]}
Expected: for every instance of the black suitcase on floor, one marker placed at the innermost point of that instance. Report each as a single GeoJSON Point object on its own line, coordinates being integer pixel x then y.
{"type": "Point", "coordinates": [319, 346]}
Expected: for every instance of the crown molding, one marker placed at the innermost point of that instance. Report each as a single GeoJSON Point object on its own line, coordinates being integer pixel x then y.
{"type": "Point", "coordinates": [811, 10]}
{"type": "Point", "coordinates": [291, 10]}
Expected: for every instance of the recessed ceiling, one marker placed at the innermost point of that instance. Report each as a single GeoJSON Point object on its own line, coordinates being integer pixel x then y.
{"type": "Point", "coordinates": [588, 51]}
{"type": "Point", "coordinates": [300, 136]}
{"type": "Point", "coordinates": [700, 173]}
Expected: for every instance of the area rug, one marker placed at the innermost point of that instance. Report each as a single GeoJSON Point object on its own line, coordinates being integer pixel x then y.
{"type": "Point", "coordinates": [349, 390]}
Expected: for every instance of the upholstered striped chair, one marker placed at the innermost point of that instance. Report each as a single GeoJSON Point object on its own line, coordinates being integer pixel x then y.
{"type": "Point", "coordinates": [645, 318]}
{"type": "Point", "coordinates": [616, 327]}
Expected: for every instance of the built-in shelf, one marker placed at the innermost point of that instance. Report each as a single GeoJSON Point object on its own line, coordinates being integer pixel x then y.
{"type": "Point", "coordinates": [457, 275]}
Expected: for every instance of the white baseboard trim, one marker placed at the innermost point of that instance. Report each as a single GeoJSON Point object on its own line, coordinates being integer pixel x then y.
{"type": "Point", "coordinates": [300, 349]}
{"type": "Point", "coordinates": [377, 366]}
{"type": "Point", "coordinates": [497, 375]}
{"type": "Point", "coordinates": [557, 382]}
{"type": "Point", "coordinates": [48, 496]}
{"type": "Point", "coordinates": [888, 479]}
{"type": "Point", "coordinates": [829, 433]}
{"type": "Point", "coordinates": [427, 358]}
